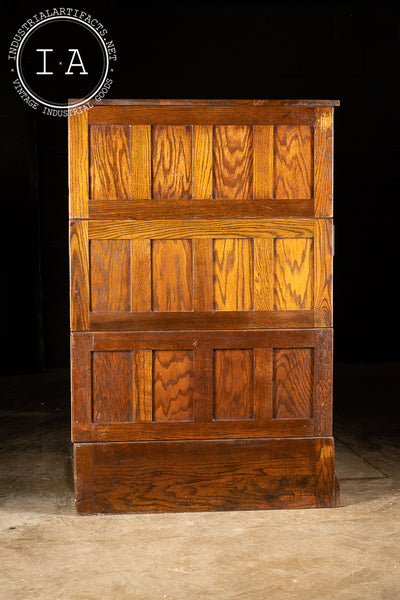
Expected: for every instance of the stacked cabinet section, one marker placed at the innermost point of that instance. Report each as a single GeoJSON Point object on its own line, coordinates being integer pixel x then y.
{"type": "Point", "coordinates": [201, 305]}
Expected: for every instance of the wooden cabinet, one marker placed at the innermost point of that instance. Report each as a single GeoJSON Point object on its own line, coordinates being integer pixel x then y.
{"type": "Point", "coordinates": [201, 305]}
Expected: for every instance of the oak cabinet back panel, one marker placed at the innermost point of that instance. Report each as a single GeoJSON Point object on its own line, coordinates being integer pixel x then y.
{"type": "Point", "coordinates": [201, 255]}
{"type": "Point", "coordinates": [202, 274]}
{"type": "Point", "coordinates": [199, 385]}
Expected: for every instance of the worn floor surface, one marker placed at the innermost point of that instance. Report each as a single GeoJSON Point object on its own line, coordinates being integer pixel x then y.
{"type": "Point", "coordinates": [350, 553]}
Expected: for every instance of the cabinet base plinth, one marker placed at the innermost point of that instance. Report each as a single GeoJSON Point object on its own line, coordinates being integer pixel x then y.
{"type": "Point", "coordinates": [210, 475]}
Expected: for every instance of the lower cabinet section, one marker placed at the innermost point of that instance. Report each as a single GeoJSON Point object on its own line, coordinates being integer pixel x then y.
{"type": "Point", "coordinates": [179, 476]}
{"type": "Point", "coordinates": [185, 385]}
{"type": "Point", "coordinates": [202, 420]}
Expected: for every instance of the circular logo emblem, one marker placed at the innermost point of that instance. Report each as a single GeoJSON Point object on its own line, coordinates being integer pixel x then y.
{"type": "Point", "coordinates": [61, 54]}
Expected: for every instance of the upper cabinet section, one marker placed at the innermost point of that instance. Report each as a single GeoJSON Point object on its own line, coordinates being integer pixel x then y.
{"type": "Point", "coordinates": [219, 160]}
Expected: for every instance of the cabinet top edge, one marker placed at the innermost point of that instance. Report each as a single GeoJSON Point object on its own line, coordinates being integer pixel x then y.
{"type": "Point", "coordinates": [190, 102]}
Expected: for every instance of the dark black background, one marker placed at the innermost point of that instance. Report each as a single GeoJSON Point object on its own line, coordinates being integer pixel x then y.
{"type": "Point", "coordinates": [347, 51]}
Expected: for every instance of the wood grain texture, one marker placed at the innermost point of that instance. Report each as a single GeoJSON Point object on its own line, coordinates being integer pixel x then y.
{"type": "Point", "coordinates": [173, 385]}
{"type": "Point", "coordinates": [263, 274]}
{"type": "Point", "coordinates": [78, 165]}
{"type": "Point", "coordinates": [323, 163]}
{"type": "Point", "coordinates": [202, 274]}
{"type": "Point", "coordinates": [294, 274]}
{"type": "Point", "coordinates": [142, 401]}
{"type": "Point", "coordinates": [191, 430]}
{"type": "Point", "coordinates": [110, 162]}
{"type": "Point", "coordinates": [81, 384]}
{"type": "Point", "coordinates": [178, 403]}
{"type": "Point", "coordinates": [140, 275]}
{"type": "Point", "coordinates": [202, 161]}
{"type": "Point", "coordinates": [172, 275]}
{"type": "Point", "coordinates": [263, 361]}
{"type": "Point", "coordinates": [293, 383]}
{"type": "Point", "coordinates": [203, 385]}
{"type": "Point", "coordinates": [293, 162]}
{"type": "Point", "coordinates": [233, 274]}
{"type": "Point", "coordinates": [112, 387]}
{"type": "Point", "coordinates": [217, 319]}
{"type": "Point", "coordinates": [171, 162]}
{"type": "Point", "coordinates": [259, 342]}
{"type": "Point", "coordinates": [323, 376]}
{"type": "Point", "coordinates": [225, 338]}
{"type": "Point", "coordinates": [79, 275]}
{"type": "Point", "coordinates": [203, 209]}
{"type": "Point", "coordinates": [84, 478]}
{"type": "Point", "coordinates": [326, 495]}
{"type": "Point", "coordinates": [110, 275]}
{"type": "Point", "coordinates": [141, 162]}
{"type": "Point", "coordinates": [233, 161]}
{"type": "Point", "coordinates": [207, 475]}
{"type": "Point", "coordinates": [233, 385]}
{"type": "Point", "coordinates": [323, 267]}
{"type": "Point", "coordinates": [263, 167]}
{"type": "Point", "coordinates": [203, 115]}
{"type": "Point", "coordinates": [202, 228]}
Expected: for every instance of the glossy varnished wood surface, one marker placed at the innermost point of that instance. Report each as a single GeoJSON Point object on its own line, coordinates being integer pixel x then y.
{"type": "Point", "coordinates": [194, 385]}
{"type": "Point", "coordinates": [78, 172]}
{"type": "Point", "coordinates": [204, 475]}
{"type": "Point", "coordinates": [233, 161]}
{"type": "Point", "coordinates": [293, 383]}
{"type": "Point", "coordinates": [247, 268]}
{"type": "Point", "coordinates": [172, 162]}
{"type": "Point", "coordinates": [201, 253]}
{"type": "Point", "coordinates": [202, 115]}
{"type": "Point", "coordinates": [206, 228]}
{"type": "Point", "coordinates": [200, 208]}
{"type": "Point", "coordinates": [110, 162]}
{"type": "Point", "coordinates": [293, 162]}
{"type": "Point", "coordinates": [110, 265]}
{"type": "Point", "coordinates": [173, 385]}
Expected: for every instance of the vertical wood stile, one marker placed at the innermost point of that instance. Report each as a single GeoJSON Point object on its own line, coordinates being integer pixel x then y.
{"type": "Point", "coordinates": [141, 162]}
{"type": "Point", "coordinates": [323, 266]}
{"type": "Point", "coordinates": [79, 275]}
{"type": "Point", "coordinates": [263, 160]}
{"type": "Point", "coordinates": [202, 162]}
{"type": "Point", "coordinates": [203, 385]}
{"type": "Point", "coordinates": [263, 377]}
{"type": "Point", "coordinates": [323, 163]}
{"type": "Point", "coordinates": [78, 166]}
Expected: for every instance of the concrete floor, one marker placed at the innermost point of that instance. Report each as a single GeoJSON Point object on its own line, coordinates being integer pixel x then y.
{"type": "Point", "coordinates": [350, 553]}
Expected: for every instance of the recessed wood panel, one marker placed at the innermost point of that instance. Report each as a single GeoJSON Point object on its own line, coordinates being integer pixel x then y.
{"type": "Point", "coordinates": [172, 278]}
{"type": "Point", "coordinates": [233, 274]}
{"type": "Point", "coordinates": [172, 162]}
{"type": "Point", "coordinates": [293, 162]}
{"type": "Point", "coordinates": [233, 385]}
{"type": "Point", "coordinates": [110, 275]}
{"type": "Point", "coordinates": [294, 269]}
{"type": "Point", "coordinates": [112, 387]}
{"type": "Point", "coordinates": [233, 161]}
{"type": "Point", "coordinates": [173, 386]}
{"type": "Point", "coordinates": [293, 383]}
{"type": "Point", "coordinates": [110, 162]}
